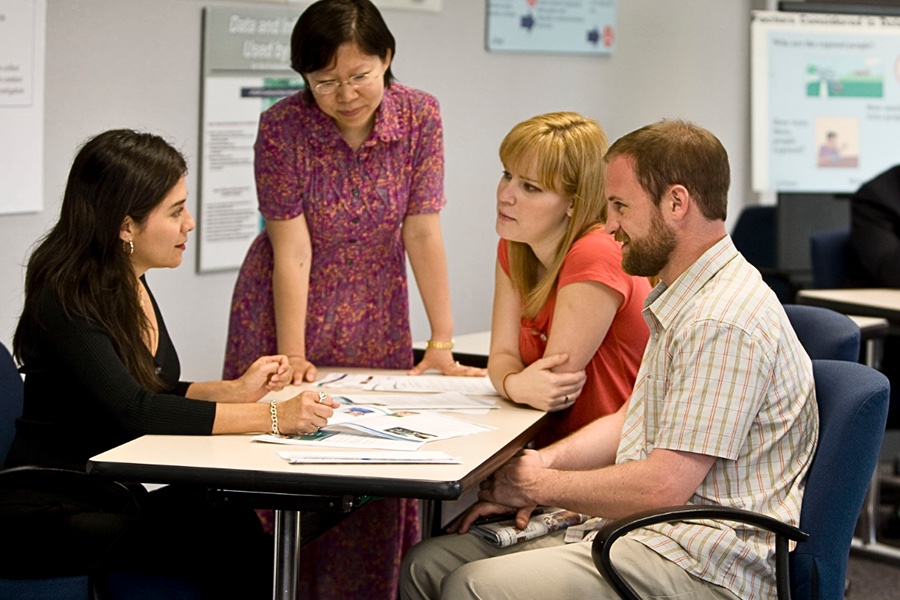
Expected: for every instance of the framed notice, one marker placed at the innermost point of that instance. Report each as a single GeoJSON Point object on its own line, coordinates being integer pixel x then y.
{"type": "Point", "coordinates": [246, 58]}
{"type": "Point", "coordinates": [22, 31]}
{"type": "Point", "coordinates": [558, 26]}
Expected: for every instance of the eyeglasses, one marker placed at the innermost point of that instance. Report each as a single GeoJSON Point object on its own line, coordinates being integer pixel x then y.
{"type": "Point", "coordinates": [357, 81]}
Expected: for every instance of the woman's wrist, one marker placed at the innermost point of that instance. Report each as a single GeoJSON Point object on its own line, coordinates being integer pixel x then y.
{"type": "Point", "coordinates": [273, 416]}
{"type": "Point", "coordinates": [437, 344]}
{"type": "Point", "coordinates": [503, 385]}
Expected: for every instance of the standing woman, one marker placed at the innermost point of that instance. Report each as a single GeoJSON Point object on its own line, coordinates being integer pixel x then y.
{"type": "Point", "coordinates": [100, 368]}
{"type": "Point", "coordinates": [349, 176]}
{"type": "Point", "coordinates": [567, 334]}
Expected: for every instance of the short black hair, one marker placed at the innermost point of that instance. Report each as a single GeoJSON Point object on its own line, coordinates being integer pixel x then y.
{"type": "Point", "coordinates": [327, 24]}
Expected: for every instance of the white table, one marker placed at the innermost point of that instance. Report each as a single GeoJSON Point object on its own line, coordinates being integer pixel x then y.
{"type": "Point", "coordinates": [868, 302]}
{"type": "Point", "coordinates": [234, 462]}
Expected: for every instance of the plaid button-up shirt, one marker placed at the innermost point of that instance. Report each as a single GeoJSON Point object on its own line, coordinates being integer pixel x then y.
{"type": "Point", "coordinates": [724, 375]}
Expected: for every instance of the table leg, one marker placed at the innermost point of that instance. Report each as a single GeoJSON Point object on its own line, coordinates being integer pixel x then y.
{"type": "Point", "coordinates": [287, 555]}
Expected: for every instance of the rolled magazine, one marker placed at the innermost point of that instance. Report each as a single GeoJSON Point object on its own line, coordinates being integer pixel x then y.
{"type": "Point", "coordinates": [505, 533]}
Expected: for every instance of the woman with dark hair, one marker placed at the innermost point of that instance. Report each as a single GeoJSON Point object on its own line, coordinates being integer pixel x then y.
{"type": "Point", "coordinates": [350, 179]}
{"type": "Point", "coordinates": [100, 368]}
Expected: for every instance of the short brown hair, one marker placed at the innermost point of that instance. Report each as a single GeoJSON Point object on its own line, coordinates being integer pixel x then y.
{"type": "Point", "coordinates": [672, 152]}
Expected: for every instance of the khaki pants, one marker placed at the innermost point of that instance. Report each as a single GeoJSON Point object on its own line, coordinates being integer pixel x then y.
{"type": "Point", "coordinates": [457, 567]}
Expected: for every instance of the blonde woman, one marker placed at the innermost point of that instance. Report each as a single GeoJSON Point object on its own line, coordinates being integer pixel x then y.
{"type": "Point", "coordinates": [567, 333]}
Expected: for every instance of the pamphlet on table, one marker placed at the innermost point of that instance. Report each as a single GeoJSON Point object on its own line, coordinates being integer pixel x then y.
{"type": "Point", "coordinates": [411, 429]}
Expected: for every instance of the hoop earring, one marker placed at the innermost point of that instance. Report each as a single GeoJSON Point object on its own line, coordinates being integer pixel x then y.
{"type": "Point", "coordinates": [128, 247]}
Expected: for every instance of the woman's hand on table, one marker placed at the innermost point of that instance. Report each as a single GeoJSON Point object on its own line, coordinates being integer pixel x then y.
{"type": "Point", "coordinates": [304, 371]}
{"type": "Point", "coordinates": [442, 360]}
{"type": "Point", "coordinates": [306, 412]}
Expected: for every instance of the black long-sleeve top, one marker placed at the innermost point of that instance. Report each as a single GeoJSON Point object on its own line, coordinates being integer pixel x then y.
{"type": "Point", "coordinates": [875, 231]}
{"type": "Point", "coordinates": [80, 400]}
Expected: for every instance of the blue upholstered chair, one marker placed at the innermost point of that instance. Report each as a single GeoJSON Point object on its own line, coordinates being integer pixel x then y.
{"type": "Point", "coordinates": [829, 250]}
{"type": "Point", "coordinates": [853, 402]}
{"type": "Point", "coordinates": [824, 333]}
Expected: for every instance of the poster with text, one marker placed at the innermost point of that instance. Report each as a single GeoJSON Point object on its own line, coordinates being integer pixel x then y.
{"type": "Point", "coordinates": [825, 100]}
{"type": "Point", "coordinates": [22, 44]}
{"type": "Point", "coordinates": [246, 58]}
{"type": "Point", "coordinates": [556, 26]}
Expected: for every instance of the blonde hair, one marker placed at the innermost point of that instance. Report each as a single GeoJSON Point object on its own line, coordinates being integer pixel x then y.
{"type": "Point", "coordinates": [567, 150]}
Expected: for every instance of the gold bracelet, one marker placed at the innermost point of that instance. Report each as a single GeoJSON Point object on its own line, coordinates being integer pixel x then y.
{"type": "Point", "coordinates": [436, 345]}
{"type": "Point", "coordinates": [274, 414]}
{"type": "Point", "coordinates": [503, 384]}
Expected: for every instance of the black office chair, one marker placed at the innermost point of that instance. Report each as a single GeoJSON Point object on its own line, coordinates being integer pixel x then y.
{"type": "Point", "coordinates": [755, 237]}
{"type": "Point", "coordinates": [829, 252]}
{"type": "Point", "coordinates": [58, 526]}
{"type": "Point", "coordinates": [853, 401]}
{"type": "Point", "coordinates": [824, 333]}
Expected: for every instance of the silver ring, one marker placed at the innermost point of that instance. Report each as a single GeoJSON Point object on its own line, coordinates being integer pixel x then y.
{"type": "Point", "coordinates": [322, 398]}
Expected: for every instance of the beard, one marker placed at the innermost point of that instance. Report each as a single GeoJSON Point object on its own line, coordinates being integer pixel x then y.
{"type": "Point", "coordinates": [646, 257]}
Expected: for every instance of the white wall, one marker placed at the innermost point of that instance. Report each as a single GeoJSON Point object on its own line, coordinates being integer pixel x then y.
{"type": "Point", "coordinates": [136, 63]}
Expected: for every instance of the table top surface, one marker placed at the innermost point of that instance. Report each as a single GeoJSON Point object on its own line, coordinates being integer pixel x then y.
{"type": "Point", "coordinates": [870, 302]}
{"type": "Point", "coordinates": [238, 462]}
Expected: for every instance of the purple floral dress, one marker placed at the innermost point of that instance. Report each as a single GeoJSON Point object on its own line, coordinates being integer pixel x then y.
{"type": "Point", "coordinates": [354, 203]}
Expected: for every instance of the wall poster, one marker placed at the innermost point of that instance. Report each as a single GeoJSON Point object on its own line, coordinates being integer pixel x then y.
{"type": "Point", "coordinates": [558, 26]}
{"type": "Point", "coordinates": [22, 46]}
{"type": "Point", "coordinates": [246, 58]}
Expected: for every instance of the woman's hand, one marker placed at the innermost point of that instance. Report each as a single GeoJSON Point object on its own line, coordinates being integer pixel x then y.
{"type": "Point", "coordinates": [538, 386]}
{"type": "Point", "coordinates": [305, 412]}
{"type": "Point", "coordinates": [442, 360]}
{"type": "Point", "coordinates": [266, 374]}
{"type": "Point", "coordinates": [304, 371]}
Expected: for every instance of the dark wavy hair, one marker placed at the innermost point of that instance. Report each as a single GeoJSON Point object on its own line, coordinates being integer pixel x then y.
{"type": "Point", "coordinates": [327, 24]}
{"type": "Point", "coordinates": [82, 261]}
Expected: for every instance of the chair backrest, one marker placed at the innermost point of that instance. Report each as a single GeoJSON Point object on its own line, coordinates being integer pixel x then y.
{"type": "Point", "coordinates": [853, 402]}
{"type": "Point", "coordinates": [11, 399]}
{"type": "Point", "coordinates": [754, 236]}
{"type": "Point", "coordinates": [829, 250]}
{"type": "Point", "coordinates": [824, 333]}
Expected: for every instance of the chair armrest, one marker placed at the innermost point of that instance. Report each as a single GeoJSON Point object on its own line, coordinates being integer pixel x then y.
{"type": "Point", "coordinates": [613, 530]}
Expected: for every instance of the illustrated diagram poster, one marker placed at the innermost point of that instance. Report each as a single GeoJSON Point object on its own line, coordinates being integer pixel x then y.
{"type": "Point", "coordinates": [825, 100]}
{"type": "Point", "coordinates": [558, 26]}
{"type": "Point", "coordinates": [22, 43]}
{"type": "Point", "coordinates": [246, 58]}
